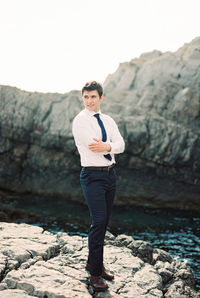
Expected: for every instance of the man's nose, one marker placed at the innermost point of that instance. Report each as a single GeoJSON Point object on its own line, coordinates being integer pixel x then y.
{"type": "Point", "coordinates": [90, 99]}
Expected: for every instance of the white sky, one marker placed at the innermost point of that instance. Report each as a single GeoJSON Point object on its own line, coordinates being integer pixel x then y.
{"type": "Point", "coordinates": [58, 45]}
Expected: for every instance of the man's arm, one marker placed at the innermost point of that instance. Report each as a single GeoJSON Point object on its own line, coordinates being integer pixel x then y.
{"type": "Point", "coordinates": [99, 146]}
{"type": "Point", "coordinates": [117, 142]}
{"type": "Point", "coordinates": [83, 136]}
{"type": "Point", "coordinates": [115, 146]}
{"type": "Point", "coordinates": [82, 133]}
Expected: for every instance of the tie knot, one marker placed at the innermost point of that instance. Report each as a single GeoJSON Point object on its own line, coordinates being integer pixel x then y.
{"type": "Point", "coordinates": [96, 115]}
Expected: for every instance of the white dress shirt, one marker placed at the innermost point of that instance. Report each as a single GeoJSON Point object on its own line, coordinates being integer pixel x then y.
{"type": "Point", "coordinates": [85, 127]}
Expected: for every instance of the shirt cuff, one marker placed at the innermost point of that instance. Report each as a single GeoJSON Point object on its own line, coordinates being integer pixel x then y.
{"type": "Point", "coordinates": [111, 151]}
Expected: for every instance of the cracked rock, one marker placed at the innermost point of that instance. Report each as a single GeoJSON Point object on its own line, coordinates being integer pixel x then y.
{"type": "Point", "coordinates": [41, 264]}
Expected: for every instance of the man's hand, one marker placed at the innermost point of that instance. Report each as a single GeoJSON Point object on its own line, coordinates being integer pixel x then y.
{"type": "Point", "coordinates": [99, 146]}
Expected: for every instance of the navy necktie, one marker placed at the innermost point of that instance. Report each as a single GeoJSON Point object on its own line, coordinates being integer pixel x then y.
{"type": "Point", "coordinates": [104, 135]}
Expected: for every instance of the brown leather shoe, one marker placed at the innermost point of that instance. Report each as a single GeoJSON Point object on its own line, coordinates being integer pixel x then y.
{"type": "Point", "coordinates": [104, 274]}
{"type": "Point", "coordinates": [98, 283]}
{"type": "Point", "coordinates": [107, 275]}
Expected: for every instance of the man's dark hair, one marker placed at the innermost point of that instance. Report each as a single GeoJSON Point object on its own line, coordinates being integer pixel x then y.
{"type": "Point", "coordinates": [93, 85]}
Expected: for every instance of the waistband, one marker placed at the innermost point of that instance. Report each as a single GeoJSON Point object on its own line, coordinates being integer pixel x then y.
{"type": "Point", "coordinates": [106, 169]}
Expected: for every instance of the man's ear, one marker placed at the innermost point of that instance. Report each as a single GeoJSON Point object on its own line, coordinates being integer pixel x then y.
{"type": "Point", "coordinates": [101, 98]}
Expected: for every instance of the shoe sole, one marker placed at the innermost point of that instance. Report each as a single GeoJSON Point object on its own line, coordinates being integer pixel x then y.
{"type": "Point", "coordinates": [99, 289]}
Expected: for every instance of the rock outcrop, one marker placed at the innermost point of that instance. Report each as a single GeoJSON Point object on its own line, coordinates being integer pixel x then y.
{"type": "Point", "coordinates": [156, 101]}
{"type": "Point", "coordinates": [36, 263]}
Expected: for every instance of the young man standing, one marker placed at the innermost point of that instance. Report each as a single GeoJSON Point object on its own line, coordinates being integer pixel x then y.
{"type": "Point", "coordinates": [97, 138]}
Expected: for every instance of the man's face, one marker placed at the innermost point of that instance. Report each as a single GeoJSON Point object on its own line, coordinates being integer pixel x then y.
{"type": "Point", "coordinates": [92, 100]}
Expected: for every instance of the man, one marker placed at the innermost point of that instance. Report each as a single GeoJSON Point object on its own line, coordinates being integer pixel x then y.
{"type": "Point", "coordinates": [97, 138]}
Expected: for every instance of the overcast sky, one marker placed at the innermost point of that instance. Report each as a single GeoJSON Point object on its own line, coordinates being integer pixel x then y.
{"type": "Point", "coordinates": [58, 45]}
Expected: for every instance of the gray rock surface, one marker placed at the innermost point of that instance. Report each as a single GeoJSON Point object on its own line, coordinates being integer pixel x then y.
{"type": "Point", "coordinates": [36, 263]}
{"type": "Point", "coordinates": [155, 99]}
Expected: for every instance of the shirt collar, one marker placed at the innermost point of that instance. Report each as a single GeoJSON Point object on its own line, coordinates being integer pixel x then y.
{"type": "Point", "coordinates": [92, 113]}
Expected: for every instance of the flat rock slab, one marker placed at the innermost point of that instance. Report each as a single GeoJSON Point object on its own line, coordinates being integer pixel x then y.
{"type": "Point", "coordinates": [14, 293]}
{"type": "Point", "coordinates": [37, 263]}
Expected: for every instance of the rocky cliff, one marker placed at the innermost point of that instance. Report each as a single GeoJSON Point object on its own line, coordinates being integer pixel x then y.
{"type": "Point", "coordinates": [36, 263]}
{"type": "Point", "coordinates": [155, 99]}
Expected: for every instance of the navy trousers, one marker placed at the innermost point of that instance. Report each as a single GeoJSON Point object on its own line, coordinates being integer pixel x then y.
{"type": "Point", "coordinates": [99, 192]}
